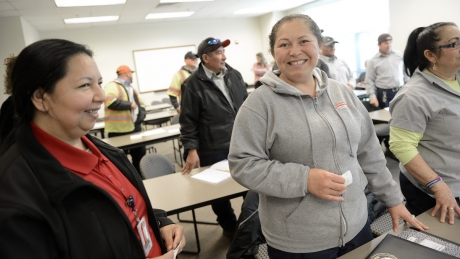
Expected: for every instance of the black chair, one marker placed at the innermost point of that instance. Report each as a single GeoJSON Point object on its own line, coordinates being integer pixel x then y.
{"type": "Point", "coordinates": [157, 122]}
{"type": "Point", "coordinates": [154, 165]}
{"type": "Point", "coordinates": [166, 100]}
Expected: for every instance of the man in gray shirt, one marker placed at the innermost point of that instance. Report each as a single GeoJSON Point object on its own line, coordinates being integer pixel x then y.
{"type": "Point", "coordinates": [338, 69]}
{"type": "Point", "coordinates": [385, 73]}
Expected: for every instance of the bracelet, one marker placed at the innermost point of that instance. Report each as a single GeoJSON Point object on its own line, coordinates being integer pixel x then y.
{"type": "Point", "coordinates": [433, 182]}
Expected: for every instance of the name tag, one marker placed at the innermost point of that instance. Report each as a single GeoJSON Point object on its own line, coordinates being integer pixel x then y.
{"type": "Point", "coordinates": [144, 235]}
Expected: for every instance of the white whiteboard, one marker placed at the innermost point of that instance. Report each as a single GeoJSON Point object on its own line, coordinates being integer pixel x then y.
{"type": "Point", "coordinates": [156, 67]}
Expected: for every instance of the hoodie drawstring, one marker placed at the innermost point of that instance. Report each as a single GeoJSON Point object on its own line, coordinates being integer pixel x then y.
{"type": "Point", "coordinates": [310, 133]}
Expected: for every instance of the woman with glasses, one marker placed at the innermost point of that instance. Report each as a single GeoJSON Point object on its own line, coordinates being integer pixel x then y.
{"type": "Point", "coordinates": [307, 145]}
{"type": "Point", "coordinates": [425, 124]}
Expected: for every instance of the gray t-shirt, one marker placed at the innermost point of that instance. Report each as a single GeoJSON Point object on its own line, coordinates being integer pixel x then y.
{"type": "Point", "coordinates": [428, 105]}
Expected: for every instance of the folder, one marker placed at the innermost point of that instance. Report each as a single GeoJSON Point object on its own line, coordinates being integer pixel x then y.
{"type": "Point", "coordinates": [393, 247]}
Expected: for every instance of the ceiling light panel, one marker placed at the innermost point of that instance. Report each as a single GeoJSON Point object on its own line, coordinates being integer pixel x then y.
{"type": "Point", "coordinates": [183, 1]}
{"type": "Point", "coordinates": [91, 19]}
{"type": "Point", "coordinates": [74, 3]}
{"type": "Point", "coordinates": [168, 15]}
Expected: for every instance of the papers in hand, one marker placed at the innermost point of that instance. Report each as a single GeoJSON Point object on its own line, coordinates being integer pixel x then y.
{"type": "Point", "coordinates": [176, 250]}
{"type": "Point", "coordinates": [215, 174]}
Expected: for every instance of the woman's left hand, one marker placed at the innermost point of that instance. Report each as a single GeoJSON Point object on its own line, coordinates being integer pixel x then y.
{"type": "Point", "coordinates": [173, 235]}
{"type": "Point", "coordinates": [400, 212]}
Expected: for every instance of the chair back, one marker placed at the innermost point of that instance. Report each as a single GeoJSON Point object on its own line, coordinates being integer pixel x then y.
{"type": "Point", "coordinates": [166, 100]}
{"type": "Point", "coordinates": [175, 119]}
{"type": "Point", "coordinates": [154, 165]}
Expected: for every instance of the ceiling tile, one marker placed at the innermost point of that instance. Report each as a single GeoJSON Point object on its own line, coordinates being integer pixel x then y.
{"type": "Point", "coordinates": [32, 4]}
{"type": "Point", "coordinates": [43, 13]}
{"type": "Point", "coordinates": [38, 19]}
{"type": "Point", "coordinates": [78, 25]}
{"type": "Point", "coordinates": [101, 24]}
{"type": "Point", "coordinates": [9, 13]}
{"type": "Point", "coordinates": [74, 10]}
{"type": "Point", "coordinates": [6, 6]}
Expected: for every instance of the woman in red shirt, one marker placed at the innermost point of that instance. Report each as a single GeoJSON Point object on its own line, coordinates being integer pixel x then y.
{"type": "Point", "coordinates": [64, 193]}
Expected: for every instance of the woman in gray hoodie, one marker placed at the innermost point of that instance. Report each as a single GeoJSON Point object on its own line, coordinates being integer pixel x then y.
{"type": "Point", "coordinates": [307, 145]}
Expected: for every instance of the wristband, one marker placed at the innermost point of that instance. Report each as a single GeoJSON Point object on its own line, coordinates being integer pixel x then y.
{"type": "Point", "coordinates": [433, 182]}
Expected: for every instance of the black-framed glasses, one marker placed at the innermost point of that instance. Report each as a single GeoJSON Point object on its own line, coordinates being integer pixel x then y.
{"type": "Point", "coordinates": [453, 45]}
{"type": "Point", "coordinates": [213, 42]}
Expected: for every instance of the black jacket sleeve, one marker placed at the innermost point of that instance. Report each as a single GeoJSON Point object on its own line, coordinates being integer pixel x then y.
{"type": "Point", "coordinates": [189, 118]}
{"type": "Point", "coordinates": [174, 101]}
{"type": "Point", "coordinates": [120, 105]}
{"type": "Point", "coordinates": [162, 218]}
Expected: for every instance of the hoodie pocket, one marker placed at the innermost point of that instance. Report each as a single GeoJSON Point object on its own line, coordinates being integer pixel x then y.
{"type": "Point", "coordinates": [314, 219]}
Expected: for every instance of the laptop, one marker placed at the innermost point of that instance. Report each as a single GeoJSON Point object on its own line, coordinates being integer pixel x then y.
{"type": "Point", "coordinates": [393, 247]}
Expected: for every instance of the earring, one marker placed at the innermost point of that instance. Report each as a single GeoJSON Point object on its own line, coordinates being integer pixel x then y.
{"type": "Point", "coordinates": [434, 67]}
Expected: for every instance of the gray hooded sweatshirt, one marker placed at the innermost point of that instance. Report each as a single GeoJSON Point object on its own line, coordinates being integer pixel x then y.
{"type": "Point", "coordinates": [280, 133]}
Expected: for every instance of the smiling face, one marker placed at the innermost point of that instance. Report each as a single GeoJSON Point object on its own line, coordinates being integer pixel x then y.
{"type": "Point", "coordinates": [71, 109]}
{"type": "Point", "coordinates": [295, 51]}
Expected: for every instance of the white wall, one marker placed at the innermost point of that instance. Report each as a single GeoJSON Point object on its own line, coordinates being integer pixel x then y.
{"type": "Point", "coordinates": [266, 23]}
{"type": "Point", "coordinates": [11, 42]}
{"type": "Point", "coordinates": [31, 35]}
{"type": "Point", "coordinates": [407, 15]}
{"type": "Point", "coordinates": [114, 45]}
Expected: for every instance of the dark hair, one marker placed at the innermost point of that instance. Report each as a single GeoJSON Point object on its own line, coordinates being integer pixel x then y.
{"type": "Point", "coordinates": [39, 65]}
{"type": "Point", "coordinates": [305, 18]}
{"type": "Point", "coordinates": [9, 63]}
{"type": "Point", "coordinates": [421, 39]}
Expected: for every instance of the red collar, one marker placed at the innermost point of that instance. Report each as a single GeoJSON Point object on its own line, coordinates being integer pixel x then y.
{"type": "Point", "coordinates": [70, 157]}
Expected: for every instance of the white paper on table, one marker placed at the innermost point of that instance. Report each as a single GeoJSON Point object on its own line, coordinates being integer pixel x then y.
{"type": "Point", "coordinates": [153, 132]}
{"type": "Point", "coordinates": [387, 108]}
{"type": "Point", "coordinates": [99, 124]}
{"type": "Point", "coordinates": [221, 166]}
{"type": "Point", "coordinates": [136, 136]}
{"type": "Point", "coordinates": [212, 176]}
{"type": "Point", "coordinates": [173, 130]}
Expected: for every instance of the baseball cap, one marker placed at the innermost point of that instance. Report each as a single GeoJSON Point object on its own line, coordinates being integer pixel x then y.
{"type": "Point", "coordinates": [124, 69]}
{"type": "Point", "coordinates": [211, 44]}
{"type": "Point", "coordinates": [190, 55]}
{"type": "Point", "coordinates": [328, 41]}
{"type": "Point", "coordinates": [384, 37]}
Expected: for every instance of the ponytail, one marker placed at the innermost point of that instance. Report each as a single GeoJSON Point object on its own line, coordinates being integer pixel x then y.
{"type": "Point", "coordinates": [411, 55]}
{"type": "Point", "coordinates": [421, 39]}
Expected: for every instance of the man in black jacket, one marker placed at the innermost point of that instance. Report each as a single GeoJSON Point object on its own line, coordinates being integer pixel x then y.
{"type": "Point", "coordinates": [210, 101]}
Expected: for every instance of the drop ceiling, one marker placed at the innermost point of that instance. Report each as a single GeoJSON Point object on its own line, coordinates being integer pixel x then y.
{"type": "Point", "coordinates": [43, 15]}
